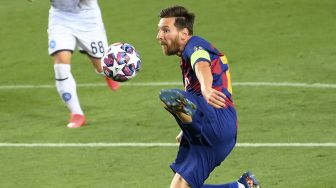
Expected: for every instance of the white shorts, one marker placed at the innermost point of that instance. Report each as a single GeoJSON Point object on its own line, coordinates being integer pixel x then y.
{"type": "Point", "coordinates": [89, 37]}
{"type": "Point", "coordinates": [92, 42]}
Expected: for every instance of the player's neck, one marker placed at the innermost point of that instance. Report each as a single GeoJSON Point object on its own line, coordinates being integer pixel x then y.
{"type": "Point", "coordinates": [183, 45]}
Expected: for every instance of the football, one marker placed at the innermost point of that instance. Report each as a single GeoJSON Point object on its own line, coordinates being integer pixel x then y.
{"type": "Point", "coordinates": [121, 62]}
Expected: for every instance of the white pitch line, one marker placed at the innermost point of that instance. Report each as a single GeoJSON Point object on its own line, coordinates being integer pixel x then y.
{"type": "Point", "coordinates": [150, 84]}
{"type": "Point", "coordinates": [272, 145]}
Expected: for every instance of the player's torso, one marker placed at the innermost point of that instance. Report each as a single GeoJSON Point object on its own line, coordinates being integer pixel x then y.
{"type": "Point", "coordinates": [219, 68]}
{"type": "Point", "coordinates": [73, 5]}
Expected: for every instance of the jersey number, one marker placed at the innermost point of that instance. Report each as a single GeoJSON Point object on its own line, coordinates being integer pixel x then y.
{"type": "Point", "coordinates": [97, 47]}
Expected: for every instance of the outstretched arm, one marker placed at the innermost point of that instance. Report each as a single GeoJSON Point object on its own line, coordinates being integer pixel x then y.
{"type": "Point", "coordinates": [213, 97]}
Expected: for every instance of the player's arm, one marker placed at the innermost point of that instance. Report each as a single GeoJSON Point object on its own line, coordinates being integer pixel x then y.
{"type": "Point", "coordinates": [204, 75]}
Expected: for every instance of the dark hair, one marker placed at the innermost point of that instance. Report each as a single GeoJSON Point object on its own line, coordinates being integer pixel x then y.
{"type": "Point", "coordinates": [183, 18]}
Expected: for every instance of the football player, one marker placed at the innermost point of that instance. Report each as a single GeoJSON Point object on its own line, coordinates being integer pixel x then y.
{"type": "Point", "coordinates": [205, 110]}
{"type": "Point", "coordinates": [75, 23]}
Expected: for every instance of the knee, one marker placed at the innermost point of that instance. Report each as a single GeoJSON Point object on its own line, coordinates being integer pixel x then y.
{"type": "Point", "coordinates": [179, 182]}
{"type": "Point", "coordinates": [62, 57]}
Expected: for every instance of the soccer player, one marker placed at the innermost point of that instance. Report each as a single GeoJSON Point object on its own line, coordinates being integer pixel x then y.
{"type": "Point", "coordinates": [205, 111]}
{"type": "Point", "coordinates": [75, 23]}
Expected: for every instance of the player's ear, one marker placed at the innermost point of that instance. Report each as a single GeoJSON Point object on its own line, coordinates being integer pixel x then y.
{"type": "Point", "coordinates": [184, 33]}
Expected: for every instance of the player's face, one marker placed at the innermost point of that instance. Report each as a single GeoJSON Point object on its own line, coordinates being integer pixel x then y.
{"type": "Point", "coordinates": [168, 36]}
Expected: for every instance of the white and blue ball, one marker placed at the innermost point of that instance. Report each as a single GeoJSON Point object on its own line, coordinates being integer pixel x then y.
{"type": "Point", "coordinates": [121, 62]}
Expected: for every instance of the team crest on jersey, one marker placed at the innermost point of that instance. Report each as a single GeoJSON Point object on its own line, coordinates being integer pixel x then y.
{"type": "Point", "coordinates": [52, 44]}
{"type": "Point", "coordinates": [196, 48]}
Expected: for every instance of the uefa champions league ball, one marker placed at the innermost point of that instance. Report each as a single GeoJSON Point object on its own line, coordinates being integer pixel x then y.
{"type": "Point", "coordinates": [121, 62]}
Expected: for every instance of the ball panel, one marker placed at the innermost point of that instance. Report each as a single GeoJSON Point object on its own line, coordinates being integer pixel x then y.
{"type": "Point", "coordinates": [121, 62]}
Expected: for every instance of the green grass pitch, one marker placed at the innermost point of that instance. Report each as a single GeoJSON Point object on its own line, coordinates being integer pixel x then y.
{"type": "Point", "coordinates": [274, 41]}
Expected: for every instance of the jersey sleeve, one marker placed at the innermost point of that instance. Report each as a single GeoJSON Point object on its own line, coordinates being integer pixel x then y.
{"type": "Point", "coordinates": [197, 53]}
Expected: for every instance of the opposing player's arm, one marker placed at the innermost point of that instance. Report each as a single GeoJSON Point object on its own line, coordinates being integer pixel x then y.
{"type": "Point", "coordinates": [201, 64]}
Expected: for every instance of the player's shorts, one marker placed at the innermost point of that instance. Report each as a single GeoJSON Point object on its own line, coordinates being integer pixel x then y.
{"type": "Point", "coordinates": [206, 141]}
{"type": "Point", "coordinates": [92, 42]}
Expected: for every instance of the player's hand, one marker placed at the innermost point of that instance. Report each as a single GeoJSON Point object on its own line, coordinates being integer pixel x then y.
{"type": "Point", "coordinates": [214, 98]}
{"type": "Point", "coordinates": [179, 137]}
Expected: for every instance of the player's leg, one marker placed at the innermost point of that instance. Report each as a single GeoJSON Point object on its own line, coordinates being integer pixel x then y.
{"type": "Point", "coordinates": [247, 180]}
{"type": "Point", "coordinates": [61, 45]}
{"type": "Point", "coordinates": [66, 87]}
{"type": "Point", "coordinates": [178, 104]}
{"type": "Point", "coordinates": [228, 185]}
{"type": "Point", "coordinates": [197, 163]}
{"type": "Point", "coordinates": [94, 44]}
{"type": "Point", "coordinates": [113, 85]}
{"type": "Point", "coordinates": [179, 182]}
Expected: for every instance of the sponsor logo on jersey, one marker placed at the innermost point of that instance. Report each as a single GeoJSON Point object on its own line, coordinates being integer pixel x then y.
{"type": "Point", "coordinates": [196, 48]}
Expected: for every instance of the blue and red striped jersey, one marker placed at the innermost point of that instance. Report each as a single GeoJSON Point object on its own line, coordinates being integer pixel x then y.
{"type": "Point", "coordinates": [218, 61]}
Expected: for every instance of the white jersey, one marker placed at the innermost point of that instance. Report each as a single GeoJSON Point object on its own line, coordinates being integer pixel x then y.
{"type": "Point", "coordinates": [81, 15]}
{"type": "Point", "coordinates": [71, 5]}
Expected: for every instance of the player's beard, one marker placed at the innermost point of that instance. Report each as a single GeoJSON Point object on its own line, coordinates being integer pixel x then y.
{"type": "Point", "coordinates": [171, 49]}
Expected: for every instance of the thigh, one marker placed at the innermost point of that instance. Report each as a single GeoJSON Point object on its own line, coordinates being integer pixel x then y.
{"type": "Point", "coordinates": [195, 162]}
{"type": "Point", "coordinates": [210, 126]}
{"type": "Point", "coordinates": [94, 43]}
{"type": "Point", "coordinates": [60, 38]}
{"type": "Point", "coordinates": [193, 131]}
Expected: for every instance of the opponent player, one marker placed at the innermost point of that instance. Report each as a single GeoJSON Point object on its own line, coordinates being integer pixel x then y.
{"type": "Point", "coordinates": [204, 111]}
{"type": "Point", "coordinates": [75, 23]}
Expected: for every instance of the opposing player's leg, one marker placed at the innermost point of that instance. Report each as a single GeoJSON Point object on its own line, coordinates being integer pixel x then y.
{"type": "Point", "coordinates": [61, 45]}
{"type": "Point", "coordinates": [94, 44]}
{"type": "Point", "coordinates": [113, 85]}
{"type": "Point", "coordinates": [66, 87]}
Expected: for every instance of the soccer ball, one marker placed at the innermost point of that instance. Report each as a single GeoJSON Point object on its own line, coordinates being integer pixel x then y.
{"type": "Point", "coordinates": [121, 62]}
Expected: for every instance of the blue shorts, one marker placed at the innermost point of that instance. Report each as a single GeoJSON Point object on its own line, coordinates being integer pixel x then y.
{"type": "Point", "coordinates": [206, 141]}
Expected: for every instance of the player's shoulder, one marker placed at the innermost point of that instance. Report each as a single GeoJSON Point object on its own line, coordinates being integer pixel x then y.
{"type": "Point", "coordinates": [195, 43]}
{"type": "Point", "coordinates": [198, 41]}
